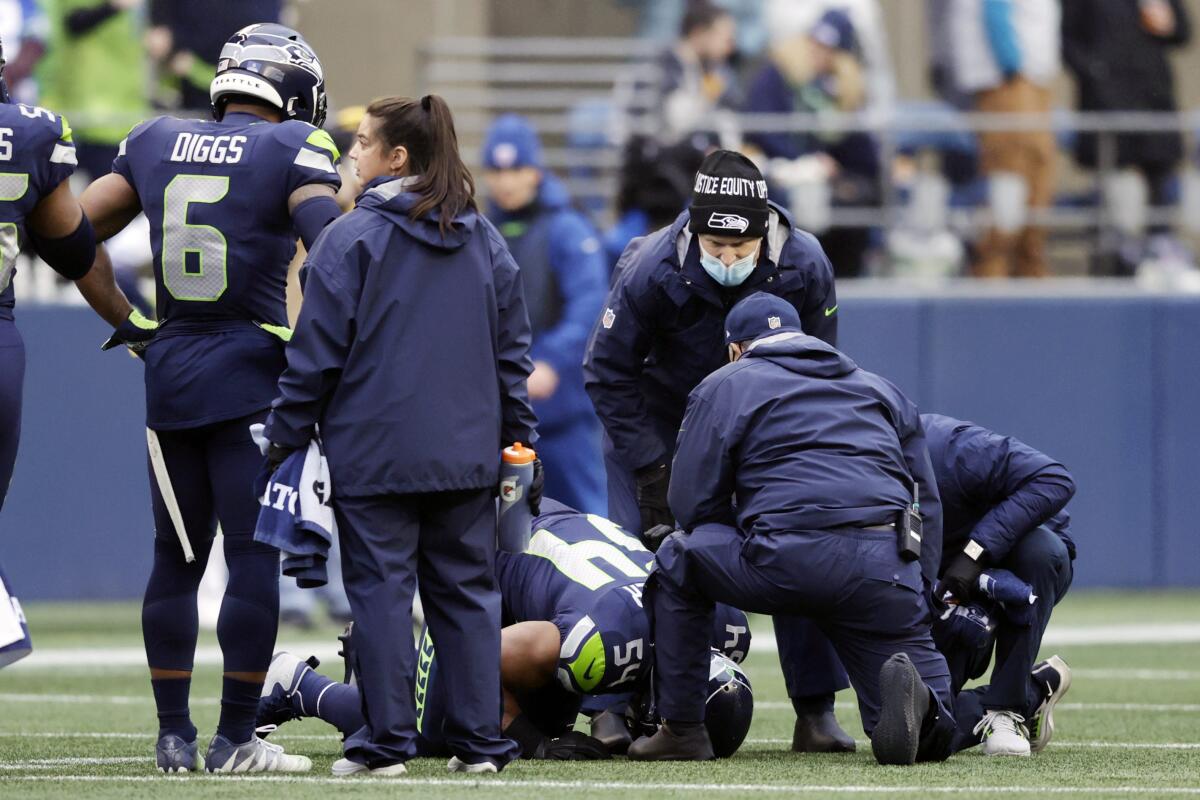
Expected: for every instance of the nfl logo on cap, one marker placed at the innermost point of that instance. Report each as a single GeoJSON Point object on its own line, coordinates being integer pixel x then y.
{"type": "Point", "coordinates": [773, 322]}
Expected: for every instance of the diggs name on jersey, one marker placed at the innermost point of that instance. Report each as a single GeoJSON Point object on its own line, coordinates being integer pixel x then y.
{"type": "Point", "coordinates": [201, 148]}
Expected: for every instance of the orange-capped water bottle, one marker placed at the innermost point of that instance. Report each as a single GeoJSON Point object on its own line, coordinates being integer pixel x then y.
{"type": "Point", "coordinates": [516, 476]}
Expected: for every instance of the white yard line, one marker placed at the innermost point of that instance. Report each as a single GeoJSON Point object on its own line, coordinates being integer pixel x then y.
{"type": "Point", "coordinates": [641, 787]}
{"type": "Point", "coordinates": [59, 763]}
{"type": "Point", "coordinates": [149, 737]}
{"type": "Point", "coordinates": [764, 642]}
{"type": "Point", "coordinates": [775, 705]}
{"type": "Point", "coordinates": [1056, 744]}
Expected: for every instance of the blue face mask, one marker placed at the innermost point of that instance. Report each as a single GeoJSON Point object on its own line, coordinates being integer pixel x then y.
{"type": "Point", "coordinates": [733, 275]}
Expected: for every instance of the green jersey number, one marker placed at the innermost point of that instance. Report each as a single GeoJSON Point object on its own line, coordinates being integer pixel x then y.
{"type": "Point", "coordinates": [204, 280]}
{"type": "Point", "coordinates": [13, 186]}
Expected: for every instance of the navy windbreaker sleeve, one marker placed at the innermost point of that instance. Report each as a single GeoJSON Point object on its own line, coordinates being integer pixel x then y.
{"type": "Point", "coordinates": [702, 473]}
{"type": "Point", "coordinates": [581, 272]}
{"type": "Point", "coordinates": [612, 368]}
{"type": "Point", "coordinates": [1022, 487]}
{"type": "Point", "coordinates": [513, 335]}
{"type": "Point", "coordinates": [317, 351]}
{"type": "Point", "coordinates": [819, 317]}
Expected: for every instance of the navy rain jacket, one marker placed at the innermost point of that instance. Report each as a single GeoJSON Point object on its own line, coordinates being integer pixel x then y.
{"type": "Point", "coordinates": [663, 328]}
{"type": "Point", "coordinates": [994, 489]}
{"type": "Point", "coordinates": [411, 351]}
{"type": "Point", "coordinates": [802, 439]}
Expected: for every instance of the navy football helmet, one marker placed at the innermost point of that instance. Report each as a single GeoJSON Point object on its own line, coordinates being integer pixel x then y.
{"type": "Point", "coordinates": [274, 64]}
{"type": "Point", "coordinates": [727, 712]}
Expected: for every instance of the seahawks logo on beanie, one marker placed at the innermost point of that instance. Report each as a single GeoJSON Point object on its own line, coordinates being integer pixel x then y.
{"type": "Point", "coordinates": [729, 197]}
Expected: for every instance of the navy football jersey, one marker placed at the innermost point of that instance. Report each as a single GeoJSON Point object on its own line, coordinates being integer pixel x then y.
{"type": "Point", "coordinates": [585, 574]}
{"type": "Point", "coordinates": [216, 196]}
{"type": "Point", "coordinates": [36, 155]}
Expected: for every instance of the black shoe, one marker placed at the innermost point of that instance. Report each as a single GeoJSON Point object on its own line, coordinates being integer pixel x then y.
{"type": "Point", "coordinates": [347, 653]}
{"type": "Point", "coordinates": [819, 732]}
{"type": "Point", "coordinates": [690, 743]}
{"type": "Point", "coordinates": [612, 732]}
{"type": "Point", "coordinates": [904, 702]}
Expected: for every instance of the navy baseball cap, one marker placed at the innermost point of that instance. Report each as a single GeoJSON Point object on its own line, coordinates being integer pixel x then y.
{"type": "Point", "coordinates": [512, 142]}
{"type": "Point", "coordinates": [758, 315]}
{"type": "Point", "coordinates": [835, 30]}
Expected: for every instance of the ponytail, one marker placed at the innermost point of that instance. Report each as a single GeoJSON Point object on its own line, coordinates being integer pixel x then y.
{"type": "Point", "coordinates": [425, 128]}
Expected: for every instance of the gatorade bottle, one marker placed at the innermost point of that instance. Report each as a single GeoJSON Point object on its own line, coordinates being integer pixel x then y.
{"type": "Point", "coordinates": [516, 475]}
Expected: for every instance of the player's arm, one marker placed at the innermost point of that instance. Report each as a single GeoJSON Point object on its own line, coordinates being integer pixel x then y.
{"type": "Point", "coordinates": [61, 234]}
{"type": "Point", "coordinates": [529, 654]}
{"type": "Point", "coordinates": [312, 207]}
{"type": "Point", "coordinates": [111, 204]}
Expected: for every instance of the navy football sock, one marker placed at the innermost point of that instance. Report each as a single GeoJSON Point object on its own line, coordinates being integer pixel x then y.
{"type": "Point", "coordinates": [336, 703]}
{"type": "Point", "coordinates": [246, 630]}
{"type": "Point", "coordinates": [169, 629]}
{"type": "Point", "coordinates": [171, 697]}
{"type": "Point", "coordinates": [239, 706]}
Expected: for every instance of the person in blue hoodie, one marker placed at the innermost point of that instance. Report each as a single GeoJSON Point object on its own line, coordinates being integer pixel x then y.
{"type": "Point", "coordinates": [565, 278]}
{"type": "Point", "coordinates": [791, 470]}
{"type": "Point", "coordinates": [1003, 505]}
{"type": "Point", "coordinates": [411, 352]}
{"type": "Point", "coordinates": [662, 331]}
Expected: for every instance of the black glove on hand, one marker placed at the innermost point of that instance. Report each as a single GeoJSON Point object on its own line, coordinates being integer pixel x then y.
{"type": "Point", "coordinates": [652, 485]}
{"type": "Point", "coordinates": [961, 578]}
{"type": "Point", "coordinates": [536, 487]}
{"type": "Point", "coordinates": [654, 537]}
{"type": "Point", "coordinates": [277, 454]}
{"type": "Point", "coordinates": [573, 746]}
{"type": "Point", "coordinates": [135, 333]}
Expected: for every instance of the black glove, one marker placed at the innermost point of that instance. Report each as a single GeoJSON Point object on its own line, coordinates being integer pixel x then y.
{"type": "Point", "coordinates": [961, 578]}
{"type": "Point", "coordinates": [573, 746]}
{"type": "Point", "coordinates": [277, 454]}
{"type": "Point", "coordinates": [536, 487]}
{"type": "Point", "coordinates": [652, 485]}
{"type": "Point", "coordinates": [135, 333]}
{"type": "Point", "coordinates": [654, 537]}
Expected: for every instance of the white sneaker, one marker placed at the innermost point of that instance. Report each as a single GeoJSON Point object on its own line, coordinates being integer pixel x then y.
{"type": "Point", "coordinates": [1003, 734]}
{"type": "Point", "coordinates": [256, 755]}
{"type": "Point", "coordinates": [344, 767]}
{"type": "Point", "coordinates": [458, 765]}
{"type": "Point", "coordinates": [1055, 676]}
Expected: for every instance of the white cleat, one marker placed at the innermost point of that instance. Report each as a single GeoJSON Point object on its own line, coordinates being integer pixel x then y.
{"type": "Point", "coordinates": [344, 768]}
{"type": "Point", "coordinates": [1003, 734]}
{"type": "Point", "coordinates": [1055, 676]}
{"type": "Point", "coordinates": [456, 764]}
{"type": "Point", "coordinates": [256, 755]}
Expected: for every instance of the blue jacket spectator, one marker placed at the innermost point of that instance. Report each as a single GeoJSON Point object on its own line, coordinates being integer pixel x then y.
{"type": "Point", "coordinates": [565, 277]}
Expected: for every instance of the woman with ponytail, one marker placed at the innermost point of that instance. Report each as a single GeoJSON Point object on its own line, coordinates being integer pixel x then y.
{"type": "Point", "coordinates": [411, 354]}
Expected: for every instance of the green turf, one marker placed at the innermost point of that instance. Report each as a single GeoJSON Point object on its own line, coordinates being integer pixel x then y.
{"type": "Point", "coordinates": [115, 702]}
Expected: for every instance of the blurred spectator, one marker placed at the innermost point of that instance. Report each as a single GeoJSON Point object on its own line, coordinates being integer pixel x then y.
{"type": "Point", "coordinates": [696, 88]}
{"type": "Point", "coordinates": [654, 186]}
{"type": "Point", "coordinates": [795, 17]}
{"type": "Point", "coordinates": [186, 37]}
{"type": "Point", "coordinates": [1006, 53]}
{"type": "Point", "coordinates": [23, 29]}
{"type": "Point", "coordinates": [564, 274]}
{"type": "Point", "coordinates": [1118, 52]}
{"type": "Point", "coordinates": [94, 72]}
{"type": "Point", "coordinates": [815, 72]}
{"type": "Point", "coordinates": [941, 55]}
{"type": "Point", "coordinates": [660, 19]}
